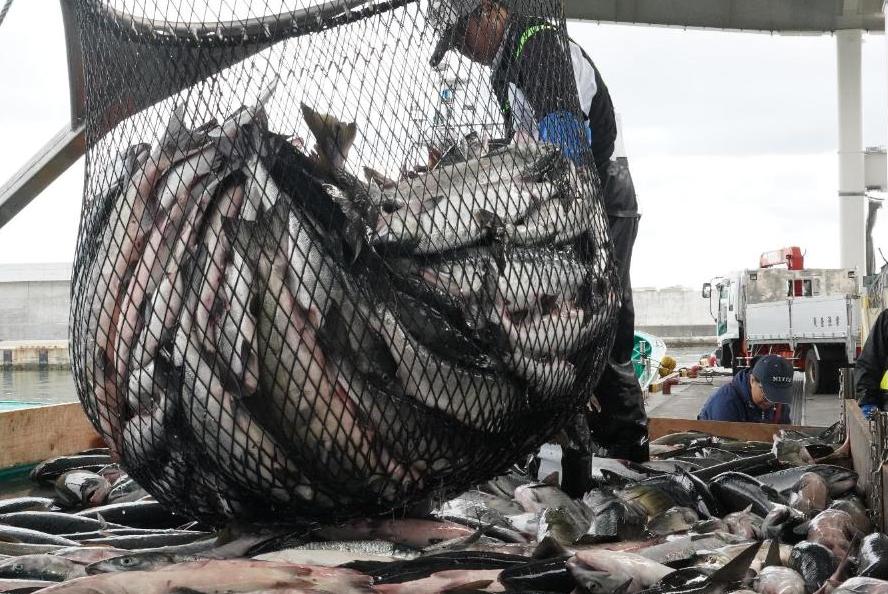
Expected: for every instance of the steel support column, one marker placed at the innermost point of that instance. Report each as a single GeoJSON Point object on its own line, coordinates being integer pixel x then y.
{"type": "Point", "coordinates": [852, 185]}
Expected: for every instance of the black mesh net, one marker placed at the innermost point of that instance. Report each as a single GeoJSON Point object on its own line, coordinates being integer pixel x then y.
{"type": "Point", "coordinates": [316, 277]}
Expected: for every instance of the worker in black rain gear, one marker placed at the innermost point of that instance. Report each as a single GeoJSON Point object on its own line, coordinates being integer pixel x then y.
{"type": "Point", "coordinates": [871, 369]}
{"type": "Point", "coordinates": [538, 74]}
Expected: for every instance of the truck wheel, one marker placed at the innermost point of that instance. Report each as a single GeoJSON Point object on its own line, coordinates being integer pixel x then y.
{"type": "Point", "coordinates": [821, 377]}
{"type": "Point", "coordinates": [829, 377]}
{"type": "Point", "coordinates": [813, 372]}
{"type": "Point", "coordinates": [727, 359]}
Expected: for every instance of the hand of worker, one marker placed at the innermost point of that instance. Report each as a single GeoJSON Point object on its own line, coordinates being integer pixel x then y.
{"type": "Point", "coordinates": [568, 132]}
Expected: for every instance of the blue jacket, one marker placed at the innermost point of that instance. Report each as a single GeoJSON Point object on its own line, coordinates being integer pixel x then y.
{"type": "Point", "coordinates": [733, 402]}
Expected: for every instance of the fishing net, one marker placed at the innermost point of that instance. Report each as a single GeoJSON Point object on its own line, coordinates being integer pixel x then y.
{"type": "Point", "coordinates": [316, 277]}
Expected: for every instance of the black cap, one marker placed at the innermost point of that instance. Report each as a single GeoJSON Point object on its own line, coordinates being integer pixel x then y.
{"type": "Point", "coordinates": [446, 18]}
{"type": "Point", "coordinates": [445, 42]}
{"type": "Point", "coordinates": [775, 373]}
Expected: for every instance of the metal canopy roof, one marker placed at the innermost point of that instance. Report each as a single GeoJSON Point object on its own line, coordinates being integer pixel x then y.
{"type": "Point", "coordinates": [800, 16]}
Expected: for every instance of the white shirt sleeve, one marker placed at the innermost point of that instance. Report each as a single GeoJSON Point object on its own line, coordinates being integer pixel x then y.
{"type": "Point", "coordinates": [522, 112]}
{"type": "Point", "coordinates": [584, 75]}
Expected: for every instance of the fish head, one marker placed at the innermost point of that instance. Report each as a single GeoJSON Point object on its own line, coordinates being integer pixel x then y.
{"type": "Point", "coordinates": [709, 525]}
{"type": "Point", "coordinates": [139, 562]}
{"type": "Point", "coordinates": [82, 487]}
{"type": "Point", "coordinates": [653, 499]}
{"type": "Point", "coordinates": [840, 480]}
{"type": "Point", "coordinates": [599, 582]}
{"type": "Point", "coordinates": [96, 494]}
{"type": "Point", "coordinates": [15, 568]}
{"type": "Point", "coordinates": [675, 519]}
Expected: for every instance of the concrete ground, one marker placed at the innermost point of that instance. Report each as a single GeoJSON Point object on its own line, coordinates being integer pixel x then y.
{"type": "Point", "coordinates": [686, 399]}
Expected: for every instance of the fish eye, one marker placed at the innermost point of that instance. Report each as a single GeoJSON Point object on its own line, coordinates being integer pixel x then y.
{"type": "Point", "coordinates": [127, 561]}
{"type": "Point", "coordinates": [18, 567]}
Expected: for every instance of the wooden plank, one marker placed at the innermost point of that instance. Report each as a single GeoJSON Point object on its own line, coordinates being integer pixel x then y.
{"type": "Point", "coordinates": [30, 435]}
{"type": "Point", "coordinates": [860, 434]}
{"type": "Point", "coordinates": [658, 427]}
{"type": "Point", "coordinates": [880, 520]}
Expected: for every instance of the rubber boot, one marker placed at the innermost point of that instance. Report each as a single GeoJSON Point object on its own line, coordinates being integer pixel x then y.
{"type": "Point", "coordinates": [621, 428]}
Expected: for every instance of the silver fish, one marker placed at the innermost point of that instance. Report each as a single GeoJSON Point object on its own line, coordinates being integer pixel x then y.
{"type": "Point", "coordinates": [123, 242]}
{"type": "Point", "coordinates": [834, 529]}
{"type": "Point", "coordinates": [334, 553]}
{"type": "Point", "coordinates": [840, 480]}
{"type": "Point", "coordinates": [673, 520]}
{"type": "Point", "coordinates": [41, 567]}
{"type": "Point", "coordinates": [643, 572]}
{"type": "Point", "coordinates": [137, 562]}
{"type": "Point", "coordinates": [237, 342]}
{"type": "Point", "coordinates": [779, 580]}
{"type": "Point", "coordinates": [862, 585]}
{"type": "Point", "coordinates": [688, 547]}
{"type": "Point", "coordinates": [221, 575]}
{"type": "Point", "coordinates": [312, 408]}
{"type": "Point", "coordinates": [810, 494]}
{"type": "Point", "coordinates": [501, 167]}
{"type": "Point", "coordinates": [145, 541]}
{"type": "Point", "coordinates": [166, 303]}
{"type": "Point", "coordinates": [461, 219]}
{"type": "Point", "coordinates": [549, 379]}
{"type": "Point", "coordinates": [598, 582]}
{"type": "Point", "coordinates": [745, 524]}
{"type": "Point", "coordinates": [312, 276]}
{"type": "Point", "coordinates": [541, 224]}
{"type": "Point", "coordinates": [87, 555]}
{"type": "Point", "coordinates": [559, 333]}
{"type": "Point", "coordinates": [527, 276]}
{"type": "Point", "coordinates": [206, 322]}
{"type": "Point", "coordinates": [80, 487]}
{"type": "Point", "coordinates": [471, 397]}
{"type": "Point", "coordinates": [560, 525]}
{"type": "Point", "coordinates": [239, 446]}
{"type": "Point", "coordinates": [855, 508]}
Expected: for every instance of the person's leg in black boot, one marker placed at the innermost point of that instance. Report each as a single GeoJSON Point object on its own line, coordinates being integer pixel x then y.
{"type": "Point", "coordinates": [621, 427]}
{"type": "Point", "coordinates": [576, 457]}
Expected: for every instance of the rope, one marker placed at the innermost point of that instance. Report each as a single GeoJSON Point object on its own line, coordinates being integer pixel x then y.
{"type": "Point", "coordinates": [5, 10]}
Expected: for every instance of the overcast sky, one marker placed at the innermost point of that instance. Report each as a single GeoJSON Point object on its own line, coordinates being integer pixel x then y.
{"type": "Point", "coordinates": [731, 139]}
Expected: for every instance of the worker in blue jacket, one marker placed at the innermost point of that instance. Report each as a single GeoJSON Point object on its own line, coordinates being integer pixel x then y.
{"type": "Point", "coordinates": [760, 395]}
{"type": "Point", "coordinates": [549, 88]}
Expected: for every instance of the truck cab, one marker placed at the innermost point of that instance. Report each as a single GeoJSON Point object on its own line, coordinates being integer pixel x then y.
{"type": "Point", "coordinates": [807, 315]}
{"type": "Point", "coordinates": [724, 295]}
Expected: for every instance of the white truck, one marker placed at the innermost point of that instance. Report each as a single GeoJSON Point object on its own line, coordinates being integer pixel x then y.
{"type": "Point", "coordinates": [809, 316]}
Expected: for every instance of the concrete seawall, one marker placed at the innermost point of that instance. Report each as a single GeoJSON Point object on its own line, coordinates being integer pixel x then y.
{"type": "Point", "coordinates": [35, 301]}
{"type": "Point", "coordinates": [34, 354]}
{"type": "Point", "coordinates": [679, 315]}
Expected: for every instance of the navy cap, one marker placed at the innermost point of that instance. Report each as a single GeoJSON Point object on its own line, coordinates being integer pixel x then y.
{"type": "Point", "coordinates": [774, 373]}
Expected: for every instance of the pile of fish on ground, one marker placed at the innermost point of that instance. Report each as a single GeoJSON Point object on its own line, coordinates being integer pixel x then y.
{"type": "Point", "coordinates": [257, 332]}
{"type": "Point", "coordinates": [687, 522]}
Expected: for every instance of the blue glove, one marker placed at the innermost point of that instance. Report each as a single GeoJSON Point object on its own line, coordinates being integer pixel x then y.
{"type": "Point", "coordinates": [565, 130]}
{"type": "Point", "coordinates": [869, 410]}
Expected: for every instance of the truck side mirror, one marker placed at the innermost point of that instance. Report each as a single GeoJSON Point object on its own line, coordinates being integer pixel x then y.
{"type": "Point", "coordinates": [707, 290]}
